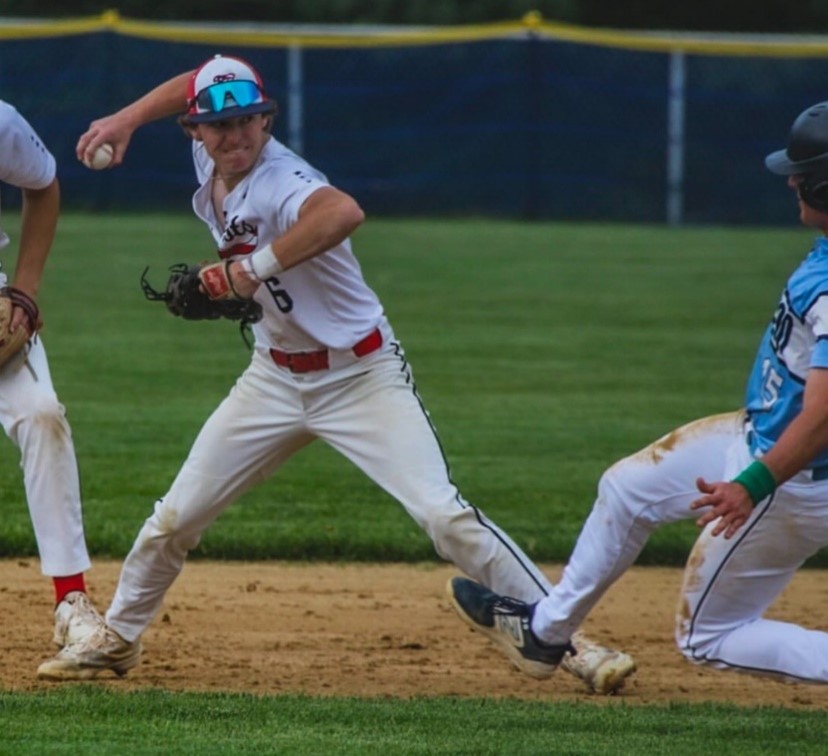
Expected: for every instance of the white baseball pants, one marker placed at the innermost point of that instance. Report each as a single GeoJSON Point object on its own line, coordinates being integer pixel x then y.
{"type": "Point", "coordinates": [367, 409]}
{"type": "Point", "coordinates": [728, 584]}
{"type": "Point", "coordinates": [36, 423]}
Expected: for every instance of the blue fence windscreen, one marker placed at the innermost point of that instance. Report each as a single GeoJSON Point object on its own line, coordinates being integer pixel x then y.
{"type": "Point", "coordinates": [523, 128]}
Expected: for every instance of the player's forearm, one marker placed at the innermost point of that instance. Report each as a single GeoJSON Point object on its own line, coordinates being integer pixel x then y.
{"type": "Point", "coordinates": [327, 218]}
{"type": "Point", "coordinates": [167, 99]}
{"type": "Point", "coordinates": [803, 440]}
{"type": "Point", "coordinates": [39, 219]}
{"type": "Point", "coordinates": [308, 243]}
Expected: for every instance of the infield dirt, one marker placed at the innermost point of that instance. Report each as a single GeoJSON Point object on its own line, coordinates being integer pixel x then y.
{"type": "Point", "coordinates": [380, 630]}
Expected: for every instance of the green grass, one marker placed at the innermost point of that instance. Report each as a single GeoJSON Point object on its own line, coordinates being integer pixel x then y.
{"type": "Point", "coordinates": [91, 720]}
{"type": "Point", "coordinates": [543, 351]}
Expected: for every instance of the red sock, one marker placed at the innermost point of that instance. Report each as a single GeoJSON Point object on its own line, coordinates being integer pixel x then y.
{"type": "Point", "coordinates": [67, 584]}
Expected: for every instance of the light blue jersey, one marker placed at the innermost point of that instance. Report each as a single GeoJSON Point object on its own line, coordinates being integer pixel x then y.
{"type": "Point", "coordinates": [795, 342]}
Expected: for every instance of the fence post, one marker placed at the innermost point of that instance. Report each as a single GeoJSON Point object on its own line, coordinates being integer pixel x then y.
{"type": "Point", "coordinates": [534, 159]}
{"type": "Point", "coordinates": [295, 124]}
{"type": "Point", "coordinates": [675, 139]}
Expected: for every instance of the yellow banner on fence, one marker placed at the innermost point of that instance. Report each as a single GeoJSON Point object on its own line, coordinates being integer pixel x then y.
{"type": "Point", "coordinates": [346, 35]}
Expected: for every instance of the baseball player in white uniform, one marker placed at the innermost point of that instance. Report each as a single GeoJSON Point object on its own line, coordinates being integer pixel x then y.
{"type": "Point", "coordinates": [30, 412]}
{"type": "Point", "coordinates": [326, 364]}
{"type": "Point", "coordinates": [765, 514]}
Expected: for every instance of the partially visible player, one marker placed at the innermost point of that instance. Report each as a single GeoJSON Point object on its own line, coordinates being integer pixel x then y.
{"type": "Point", "coordinates": [30, 412]}
{"type": "Point", "coordinates": [326, 365]}
{"type": "Point", "coordinates": [763, 478]}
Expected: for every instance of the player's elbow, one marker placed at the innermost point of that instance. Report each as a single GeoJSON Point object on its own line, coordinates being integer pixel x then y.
{"type": "Point", "coordinates": [332, 212]}
{"type": "Point", "coordinates": [351, 215]}
{"type": "Point", "coordinates": [44, 202]}
{"type": "Point", "coordinates": [342, 223]}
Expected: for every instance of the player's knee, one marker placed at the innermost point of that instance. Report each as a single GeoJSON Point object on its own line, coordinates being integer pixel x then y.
{"type": "Point", "coordinates": [37, 401]}
{"type": "Point", "coordinates": [681, 630]}
{"type": "Point", "coordinates": [450, 529]}
{"type": "Point", "coordinates": [628, 476]}
{"type": "Point", "coordinates": [697, 652]}
{"type": "Point", "coordinates": [681, 633]}
{"type": "Point", "coordinates": [165, 530]}
{"type": "Point", "coordinates": [696, 639]}
{"type": "Point", "coordinates": [614, 489]}
{"type": "Point", "coordinates": [630, 488]}
{"type": "Point", "coordinates": [41, 417]}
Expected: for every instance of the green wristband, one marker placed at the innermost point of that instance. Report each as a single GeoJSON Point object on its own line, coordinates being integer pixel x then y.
{"type": "Point", "coordinates": [758, 481]}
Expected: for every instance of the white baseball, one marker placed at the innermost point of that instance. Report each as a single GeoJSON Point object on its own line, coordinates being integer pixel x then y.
{"type": "Point", "coordinates": [101, 159]}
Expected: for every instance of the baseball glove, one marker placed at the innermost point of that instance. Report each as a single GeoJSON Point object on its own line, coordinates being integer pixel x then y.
{"type": "Point", "coordinates": [185, 297]}
{"type": "Point", "coordinates": [12, 343]}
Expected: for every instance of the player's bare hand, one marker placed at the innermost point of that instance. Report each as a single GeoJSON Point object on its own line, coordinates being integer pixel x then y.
{"type": "Point", "coordinates": [115, 129]}
{"type": "Point", "coordinates": [25, 313]}
{"type": "Point", "coordinates": [19, 319]}
{"type": "Point", "coordinates": [729, 503]}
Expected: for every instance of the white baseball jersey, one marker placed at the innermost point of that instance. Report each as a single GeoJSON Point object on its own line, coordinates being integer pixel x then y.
{"type": "Point", "coordinates": [24, 160]}
{"type": "Point", "coordinates": [324, 302]}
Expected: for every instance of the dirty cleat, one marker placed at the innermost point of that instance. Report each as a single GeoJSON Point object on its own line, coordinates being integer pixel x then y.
{"type": "Point", "coordinates": [603, 670]}
{"type": "Point", "coordinates": [507, 622]}
{"type": "Point", "coordinates": [75, 619]}
{"type": "Point", "coordinates": [103, 649]}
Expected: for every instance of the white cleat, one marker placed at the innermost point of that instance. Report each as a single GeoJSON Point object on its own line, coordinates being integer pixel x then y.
{"type": "Point", "coordinates": [603, 670]}
{"type": "Point", "coordinates": [75, 619]}
{"type": "Point", "coordinates": [103, 649]}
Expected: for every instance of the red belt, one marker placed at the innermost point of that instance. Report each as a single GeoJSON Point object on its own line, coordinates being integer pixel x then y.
{"type": "Point", "coordinates": [306, 362]}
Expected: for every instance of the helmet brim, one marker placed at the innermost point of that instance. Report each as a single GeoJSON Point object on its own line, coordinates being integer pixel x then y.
{"type": "Point", "coordinates": [269, 106]}
{"type": "Point", "coordinates": [779, 162]}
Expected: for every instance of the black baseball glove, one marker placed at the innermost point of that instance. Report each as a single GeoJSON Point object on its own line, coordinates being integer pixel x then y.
{"type": "Point", "coordinates": [185, 298]}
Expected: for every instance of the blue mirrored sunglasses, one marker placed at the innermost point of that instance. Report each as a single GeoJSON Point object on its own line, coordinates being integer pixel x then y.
{"type": "Point", "coordinates": [228, 94]}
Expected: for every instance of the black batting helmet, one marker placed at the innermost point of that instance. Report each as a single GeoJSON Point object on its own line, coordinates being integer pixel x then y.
{"type": "Point", "coordinates": [807, 155]}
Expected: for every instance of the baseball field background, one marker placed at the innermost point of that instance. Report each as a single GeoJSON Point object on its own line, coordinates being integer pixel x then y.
{"type": "Point", "coordinates": [311, 619]}
{"type": "Point", "coordinates": [529, 118]}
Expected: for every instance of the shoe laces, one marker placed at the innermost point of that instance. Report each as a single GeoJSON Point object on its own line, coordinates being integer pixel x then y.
{"type": "Point", "coordinates": [73, 598]}
{"type": "Point", "coordinates": [102, 638]}
{"type": "Point", "coordinates": [79, 601]}
{"type": "Point", "coordinates": [81, 609]}
{"type": "Point", "coordinates": [510, 607]}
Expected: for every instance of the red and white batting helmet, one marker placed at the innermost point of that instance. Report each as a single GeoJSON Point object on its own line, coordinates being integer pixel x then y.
{"type": "Point", "coordinates": [226, 87]}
